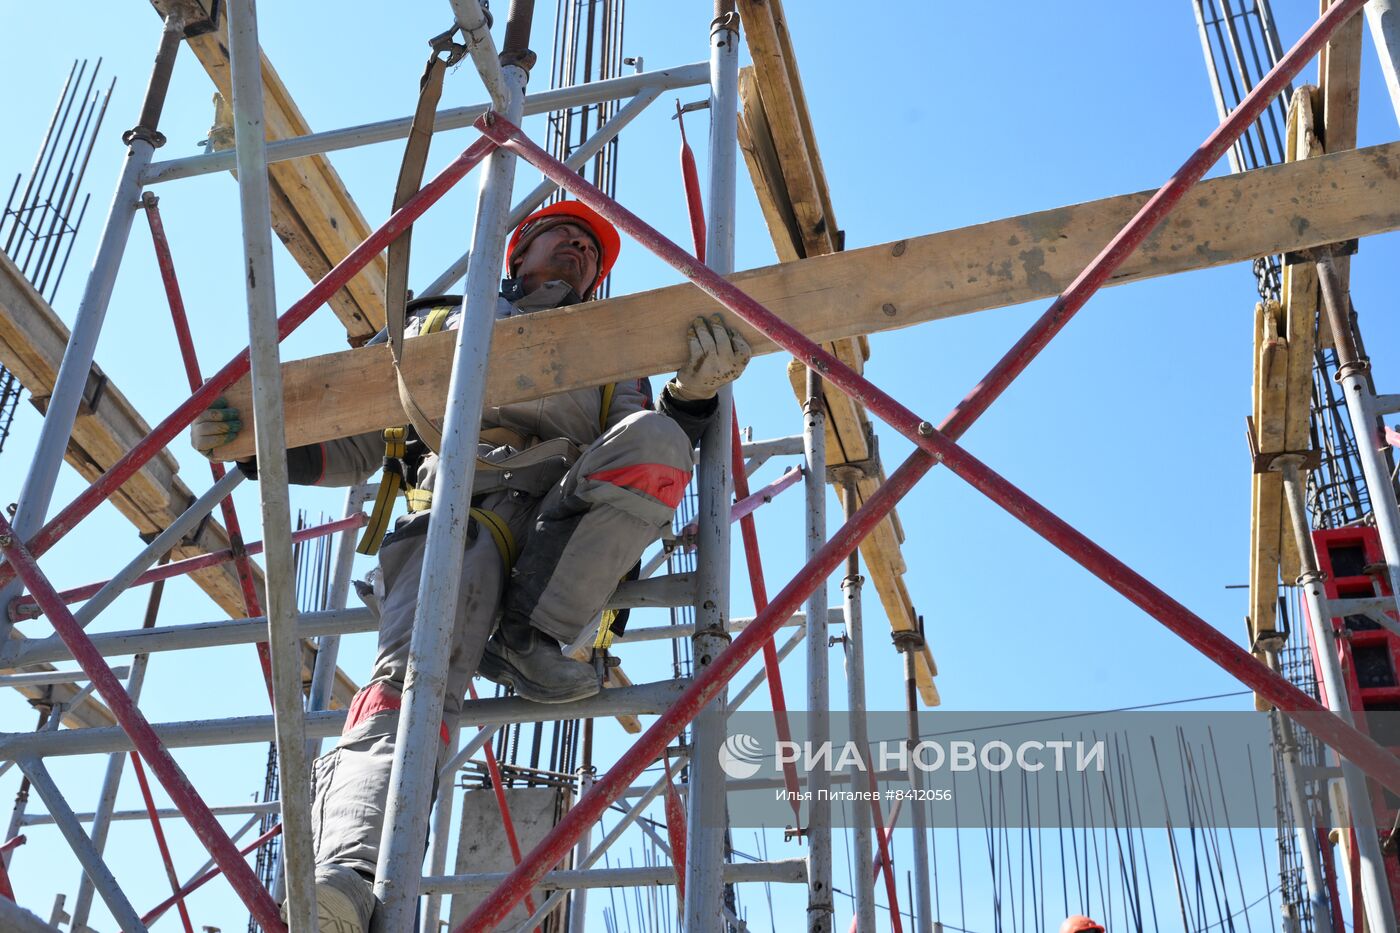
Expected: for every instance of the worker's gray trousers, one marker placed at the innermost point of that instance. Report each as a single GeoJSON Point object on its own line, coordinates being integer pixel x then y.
{"type": "Point", "coordinates": [575, 544]}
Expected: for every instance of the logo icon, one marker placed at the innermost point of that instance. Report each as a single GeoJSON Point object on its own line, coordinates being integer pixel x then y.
{"type": "Point", "coordinates": [740, 755]}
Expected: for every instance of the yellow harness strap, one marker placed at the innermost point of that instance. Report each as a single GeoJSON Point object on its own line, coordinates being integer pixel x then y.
{"type": "Point", "coordinates": [392, 480]}
{"type": "Point", "coordinates": [608, 391]}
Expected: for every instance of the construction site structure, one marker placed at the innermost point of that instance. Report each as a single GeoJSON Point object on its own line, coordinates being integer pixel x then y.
{"type": "Point", "coordinates": [542, 815]}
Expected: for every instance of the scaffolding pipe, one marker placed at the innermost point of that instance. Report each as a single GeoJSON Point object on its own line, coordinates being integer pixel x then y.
{"type": "Point", "coordinates": [746, 691]}
{"type": "Point", "coordinates": [88, 856]}
{"type": "Point", "coordinates": [784, 871]}
{"type": "Point", "coordinates": [416, 749]}
{"type": "Point", "coordinates": [28, 609]}
{"type": "Point", "coordinates": [578, 907]}
{"type": "Point", "coordinates": [1383, 18]}
{"type": "Point", "coordinates": [255, 210]}
{"type": "Point", "coordinates": [853, 642]}
{"type": "Point", "coordinates": [111, 779]}
{"type": "Point", "coordinates": [202, 822]}
{"type": "Point", "coordinates": [328, 646]}
{"type": "Point", "coordinates": [194, 635]}
{"type": "Point", "coordinates": [1375, 888]}
{"type": "Point", "coordinates": [639, 700]}
{"type": "Point", "coordinates": [156, 912]}
{"type": "Point", "coordinates": [909, 644]}
{"type": "Point", "coordinates": [238, 367]}
{"type": "Point", "coordinates": [563, 98]}
{"type": "Point", "coordinates": [160, 545]}
{"type": "Point", "coordinates": [821, 907]}
{"type": "Point", "coordinates": [243, 567]}
{"type": "Point", "coordinates": [1352, 369]}
{"type": "Point", "coordinates": [71, 381]}
{"type": "Point", "coordinates": [1304, 824]}
{"type": "Point", "coordinates": [707, 814]}
{"type": "Point", "coordinates": [47, 678]}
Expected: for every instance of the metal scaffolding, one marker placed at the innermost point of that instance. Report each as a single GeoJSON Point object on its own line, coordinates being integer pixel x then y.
{"type": "Point", "coordinates": [698, 699]}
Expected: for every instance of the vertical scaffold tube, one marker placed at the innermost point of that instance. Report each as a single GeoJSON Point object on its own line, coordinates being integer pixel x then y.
{"type": "Point", "coordinates": [1304, 824]}
{"type": "Point", "coordinates": [399, 869]}
{"type": "Point", "coordinates": [142, 141]}
{"type": "Point", "coordinates": [854, 643]}
{"type": "Point", "coordinates": [707, 815]}
{"type": "Point", "coordinates": [254, 201]}
{"type": "Point", "coordinates": [820, 906]}
{"type": "Point", "coordinates": [1383, 18]}
{"type": "Point", "coordinates": [1375, 889]}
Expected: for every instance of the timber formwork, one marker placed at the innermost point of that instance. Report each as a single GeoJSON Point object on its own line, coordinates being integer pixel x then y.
{"type": "Point", "coordinates": [291, 410]}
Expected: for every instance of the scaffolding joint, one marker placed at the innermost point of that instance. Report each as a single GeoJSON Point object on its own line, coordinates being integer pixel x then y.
{"type": "Point", "coordinates": [1279, 460]}
{"type": "Point", "coordinates": [907, 640]}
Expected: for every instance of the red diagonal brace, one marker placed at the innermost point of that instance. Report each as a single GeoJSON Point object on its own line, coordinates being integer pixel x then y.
{"type": "Point", "coordinates": [252, 605]}
{"type": "Point", "coordinates": [237, 368]}
{"type": "Point", "coordinates": [182, 794]}
{"type": "Point", "coordinates": [934, 446]}
{"type": "Point", "coordinates": [156, 912]}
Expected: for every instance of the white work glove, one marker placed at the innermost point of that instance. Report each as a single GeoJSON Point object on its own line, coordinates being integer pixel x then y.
{"type": "Point", "coordinates": [216, 425]}
{"type": "Point", "coordinates": [717, 356]}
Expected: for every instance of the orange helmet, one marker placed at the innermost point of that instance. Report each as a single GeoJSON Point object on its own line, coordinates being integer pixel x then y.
{"type": "Point", "coordinates": [1080, 924]}
{"type": "Point", "coordinates": [609, 244]}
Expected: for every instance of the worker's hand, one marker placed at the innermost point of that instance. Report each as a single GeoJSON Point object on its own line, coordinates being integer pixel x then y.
{"type": "Point", "coordinates": [717, 356]}
{"type": "Point", "coordinates": [216, 425]}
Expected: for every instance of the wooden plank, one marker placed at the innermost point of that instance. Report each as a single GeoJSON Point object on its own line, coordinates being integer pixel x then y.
{"type": "Point", "coordinates": [1339, 71]}
{"type": "Point", "coordinates": [312, 212]}
{"type": "Point", "coordinates": [32, 338]}
{"type": "Point", "coordinates": [1269, 387]}
{"type": "Point", "coordinates": [1300, 310]}
{"type": "Point", "coordinates": [877, 288]}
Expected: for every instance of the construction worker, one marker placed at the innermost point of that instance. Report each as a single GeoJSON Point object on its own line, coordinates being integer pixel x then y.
{"type": "Point", "coordinates": [549, 538]}
{"type": "Point", "coordinates": [1078, 923]}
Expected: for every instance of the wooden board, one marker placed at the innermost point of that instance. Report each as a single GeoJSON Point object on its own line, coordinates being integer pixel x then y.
{"type": "Point", "coordinates": [312, 212]}
{"type": "Point", "coordinates": [877, 288]}
{"type": "Point", "coordinates": [32, 338]}
{"type": "Point", "coordinates": [1269, 386]}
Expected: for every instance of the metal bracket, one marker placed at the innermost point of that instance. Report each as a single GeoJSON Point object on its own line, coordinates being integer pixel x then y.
{"type": "Point", "coordinates": [1264, 462]}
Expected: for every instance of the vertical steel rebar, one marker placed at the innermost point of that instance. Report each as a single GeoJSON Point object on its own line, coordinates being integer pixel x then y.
{"type": "Point", "coordinates": [37, 491]}
{"type": "Point", "coordinates": [254, 197]}
{"type": "Point", "coordinates": [401, 850]}
{"type": "Point", "coordinates": [1375, 888]}
{"type": "Point", "coordinates": [820, 903]}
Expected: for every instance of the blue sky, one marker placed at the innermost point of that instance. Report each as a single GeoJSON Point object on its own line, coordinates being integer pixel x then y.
{"type": "Point", "coordinates": [930, 116]}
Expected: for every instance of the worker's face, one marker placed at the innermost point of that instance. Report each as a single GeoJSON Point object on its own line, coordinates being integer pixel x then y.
{"type": "Point", "coordinates": [566, 252]}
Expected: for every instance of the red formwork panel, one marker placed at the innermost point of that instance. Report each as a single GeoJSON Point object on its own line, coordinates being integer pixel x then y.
{"type": "Point", "coordinates": [1353, 566]}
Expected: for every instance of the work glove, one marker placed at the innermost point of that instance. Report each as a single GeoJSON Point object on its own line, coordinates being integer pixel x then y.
{"type": "Point", "coordinates": [717, 356]}
{"type": "Point", "coordinates": [216, 425]}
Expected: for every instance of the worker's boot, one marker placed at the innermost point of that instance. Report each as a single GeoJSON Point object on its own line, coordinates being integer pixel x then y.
{"type": "Point", "coordinates": [522, 657]}
{"type": "Point", "coordinates": [344, 900]}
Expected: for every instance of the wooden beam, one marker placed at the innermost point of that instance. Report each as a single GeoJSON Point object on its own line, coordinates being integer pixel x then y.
{"type": "Point", "coordinates": [878, 288]}
{"type": "Point", "coordinates": [32, 338]}
{"type": "Point", "coordinates": [312, 212]}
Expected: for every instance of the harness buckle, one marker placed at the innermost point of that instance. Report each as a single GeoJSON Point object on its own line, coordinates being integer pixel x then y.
{"type": "Point", "coordinates": [442, 45]}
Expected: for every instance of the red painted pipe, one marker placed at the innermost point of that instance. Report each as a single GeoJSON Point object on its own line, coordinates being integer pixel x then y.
{"type": "Point", "coordinates": [651, 745]}
{"type": "Point", "coordinates": [758, 585]}
{"type": "Point", "coordinates": [237, 368]}
{"type": "Point", "coordinates": [28, 609]}
{"type": "Point", "coordinates": [498, 785]}
{"type": "Point", "coordinates": [676, 834]}
{"type": "Point", "coordinates": [695, 207]}
{"type": "Point", "coordinates": [884, 864]}
{"type": "Point", "coordinates": [160, 840]}
{"type": "Point", "coordinates": [156, 912]}
{"type": "Point", "coordinates": [165, 261]}
{"type": "Point", "coordinates": [1098, 272]}
{"type": "Point", "coordinates": [182, 794]}
{"type": "Point", "coordinates": [747, 503]}
{"type": "Point", "coordinates": [7, 891]}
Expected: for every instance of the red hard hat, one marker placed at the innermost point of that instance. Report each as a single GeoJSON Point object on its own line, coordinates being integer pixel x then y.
{"type": "Point", "coordinates": [609, 244]}
{"type": "Point", "coordinates": [1080, 924]}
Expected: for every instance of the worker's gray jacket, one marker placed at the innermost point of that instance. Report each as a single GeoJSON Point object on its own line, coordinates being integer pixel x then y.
{"type": "Point", "coordinates": [574, 415]}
